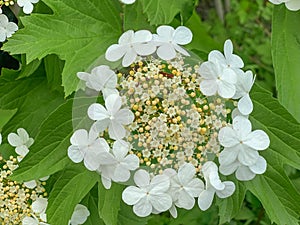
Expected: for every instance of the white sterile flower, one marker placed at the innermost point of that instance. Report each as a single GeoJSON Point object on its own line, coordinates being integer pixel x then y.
{"type": "Point", "coordinates": [101, 78]}
{"type": "Point", "coordinates": [128, 1]}
{"type": "Point", "coordinates": [292, 5]}
{"type": "Point", "coordinates": [217, 80]}
{"type": "Point", "coordinates": [117, 166]}
{"type": "Point", "coordinates": [87, 147]}
{"type": "Point", "coordinates": [240, 143]}
{"type": "Point", "coordinates": [21, 141]}
{"type": "Point", "coordinates": [130, 45]}
{"type": "Point", "coordinates": [245, 81]}
{"type": "Point", "coordinates": [242, 172]}
{"type": "Point", "coordinates": [230, 60]}
{"type": "Point", "coordinates": [112, 116]}
{"type": "Point", "coordinates": [184, 188]}
{"type": "Point", "coordinates": [27, 5]}
{"type": "Point", "coordinates": [80, 215]}
{"type": "Point", "coordinates": [168, 40]}
{"type": "Point", "coordinates": [148, 196]}
{"type": "Point", "coordinates": [6, 28]}
{"type": "Point", "coordinates": [213, 185]}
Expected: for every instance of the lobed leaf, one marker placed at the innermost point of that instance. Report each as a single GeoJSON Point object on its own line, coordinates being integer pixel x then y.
{"type": "Point", "coordinates": [78, 32]}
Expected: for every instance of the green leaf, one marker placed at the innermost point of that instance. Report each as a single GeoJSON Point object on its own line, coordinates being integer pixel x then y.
{"type": "Point", "coordinates": [202, 41]}
{"type": "Point", "coordinates": [6, 115]}
{"type": "Point", "coordinates": [286, 57]}
{"type": "Point", "coordinates": [134, 19]}
{"type": "Point", "coordinates": [109, 203]}
{"type": "Point", "coordinates": [33, 99]}
{"type": "Point", "coordinates": [29, 69]}
{"type": "Point", "coordinates": [274, 189]}
{"type": "Point", "coordinates": [163, 12]}
{"type": "Point", "coordinates": [49, 152]}
{"type": "Point", "coordinates": [91, 202]}
{"type": "Point", "coordinates": [71, 187]}
{"type": "Point", "coordinates": [78, 32]}
{"type": "Point", "coordinates": [54, 68]}
{"type": "Point", "coordinates": [230, 207]}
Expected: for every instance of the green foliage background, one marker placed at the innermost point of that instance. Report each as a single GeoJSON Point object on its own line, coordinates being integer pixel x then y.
{"type": "Point", "coordinates": [63, 37]}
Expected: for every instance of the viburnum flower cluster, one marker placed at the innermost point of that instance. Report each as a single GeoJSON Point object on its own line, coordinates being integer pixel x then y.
{"type": "Point", "coordinates": [292, 5]}
{"type": "Point", "coordinates": [168, 124]}
{"type": "Point", "coordinates": [26, 203]}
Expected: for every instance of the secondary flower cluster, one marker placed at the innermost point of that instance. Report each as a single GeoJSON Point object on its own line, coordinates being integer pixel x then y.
{"type": "Point", "coordinates": [292, 5]}
{"type": "Point", "coordinates": [26, 203]}
{"type": "Point", "coordinates": [166, 122]}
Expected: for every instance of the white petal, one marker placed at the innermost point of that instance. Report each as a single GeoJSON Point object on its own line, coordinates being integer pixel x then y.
{"type": "Point", "coordinates": [258, 140]}
{"type": "Point", "coordinates": [127, 1]}
{"type": "Point", "coordinates": [228, 155]}
{"type": "Point", "coordinates": [293, 5]}
{"type": "Point", "coordinates": [166, 52]}
{"type": "Point", "coordinates": [115, 52]}
{"type": "Point", "coordinates": [142, 36]}
{"type": "Point", "coordinates": [107, 159]}
{"type": "Point", "coordinates": [144, 49]}
{"type": "Point", "coordinates": [160, 202]}
{"type": "Point", "coordinates": [14, 140]}
{"type": "Point", "coordinates": [23, 135]}
{"type": "Point", "coordinates": [215, 181]}
{"type": "Point", "coordinates": [121, 174]}
{"type": "Point", "coordinates": [245, 105]}
{"type": "Point", "coordinates": [143, 208]}
{"type": "Point", "coordinates": [227, 191]}
{"type": "Point", "coordinates": [260, 166]}
{"type": "Point", "coordinates": [208, 87]}
{"type": "Point", "coordinates": [182, 35]}
{"type": "Point", "coordinates": [131, 195]}
{"type": "Point", "coordinates": [186, 173]}
{"type": "Point", "coordinates": [0, 139]}
{"type": "Point", "coordinates": [141, 178]}
{"type": "Point", "coordinates": [39, 205]}
{"type": "Point", "coordinates": [159, 184]}
{"type": "Point", "coordinates": [247, 156]}
{"type": "Point", "coordinates": [100, 125]}
{"type": "Point", "coordinates": [29, 221]}
{"type": "Point", "coordinates": [80, 137]}
{"type": "Point", "coordinates": [228, 48]}
{"type": "Point", "coordinates": [229, 169]}
{"type": "Point", "coordinates": [216, 57]}
{"type": "Point", "coordinates": [242, 126]}
{"type": "Point", "coordinates": [228, 137]}
{"type": "Point", "coordinates": [165, 32]}
{"type": "Point", "coordinates": [80, 214]}
{"type": "Point", "coordinates": [131, 162]}
{"type": "Point", "coordinates": [226, 90]}
{"type": "Point", "coordinates": [208, 70]}
{"type": "Point", "coordinates": [124, 116]}
{"type": "Point", "coordinates": [92, 160]}
{"type": "Point", "coordinates": [194, 187]}
{"type": "Point", "coordinates": [97, 111]}
{"type": "Point", "coordinates": [106, 182]}
{"type": "Point", "coordinates": [120, 149]}
{"type": "Point", "coordinates": [235, 61]}
{"type": "Point", "coordinates": [126, 37]}
{"type": "Point", "coordinates": [116, 131]}
{"type": "Point", "coordinates": [30, 184]}
{"type": "Point", "coordinates": [181, 50]}
{"type": "Point", "coordinates": [243, 173]}
{"type": "Point", "coordinates": [185, 200]}
{"type": "Point", "coordinates": [173, 211]}
{"type": "Point", "coordinates": [28, 7]}
{"type": "Point", "coordinates": [129, 57]}
{"type": "Point", "coordinates": [205, 199]}
{"type": "Point", "coordinates": [113, 104]}
{"type": "Point", "coordinates": [22, 150]}
{"type": "Point", "coordinates": [75, 154]}
{"type": "Point", "coordinates": [229, 76]}
{"type": "Point", "coordinates": [236, 113]}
